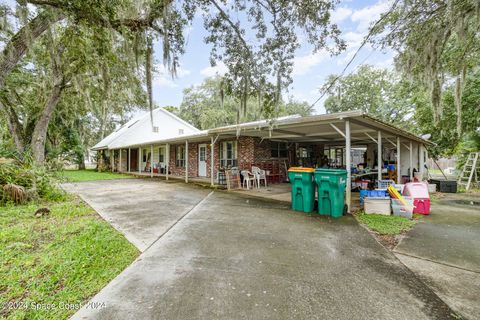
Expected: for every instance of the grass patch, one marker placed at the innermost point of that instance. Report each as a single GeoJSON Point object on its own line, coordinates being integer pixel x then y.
{"type": "Point", "coordinates": [387, 225]}
{"type": "Point", "coordinates": [64, 257]}
{"type": "Point", "coordinates": [92, 175]}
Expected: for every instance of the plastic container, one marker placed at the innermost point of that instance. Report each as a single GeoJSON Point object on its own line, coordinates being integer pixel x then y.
{"type": "Point", "coordinates": [418, 191]}
{"type": "Point", "coordinates": [378, 194]}
{"type": "Point", "coordinates": [377, 206]}
{"type": "Point", "coordinates": [401, 210]}
{"type": "Point", "coordinates": [447, 186]}
{"type": "Point", "coordinates": [384, 184]}
{"type": "Point", "coordinates": [303, 188]}
{"type": "Point", "coordinates": [363, 194]}
{"type": "Point", "coordinates": [331, 191]}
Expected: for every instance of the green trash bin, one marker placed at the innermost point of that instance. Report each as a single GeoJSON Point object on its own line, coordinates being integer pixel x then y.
{"type": "Point", "coordinates": [303, 188]}
{"type": "Point", "coordinates": [331, 191]}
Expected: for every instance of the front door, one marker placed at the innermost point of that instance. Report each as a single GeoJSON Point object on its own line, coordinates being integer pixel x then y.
{"type": "Point", "coordinates": [202, 160]}
{"type": "Point", "coordinates": [133, 160]}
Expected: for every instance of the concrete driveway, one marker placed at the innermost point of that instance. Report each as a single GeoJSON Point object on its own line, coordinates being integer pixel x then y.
{"type": "Point", "coordinates": [138, 208]}
{"type": "Point", "coordinates": [234, 257]}
{"type": "Point", "coordinates": [444, 251]}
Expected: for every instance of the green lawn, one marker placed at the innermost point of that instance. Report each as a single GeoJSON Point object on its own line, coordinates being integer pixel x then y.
{"type": "Point", "coordinates": [92, 175]}
{"type": "Point", "coordinates": [63, 258]}
{"type": "Point", "coordinates": [386, 225]}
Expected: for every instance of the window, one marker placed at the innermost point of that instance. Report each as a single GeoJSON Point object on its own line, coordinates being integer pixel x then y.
{"type": "Point", "coordinates": [161, 154]}
{"type": "Point", "coordinates": [180, 131]}
{"type": "Point", "coordinates": [228, 154]}
{"type": "Point", "coordinates": [202, 154]}
{"type": "Point", "coordinates": [155, 129]}
{"type": "Point", "coordinates": [279, 149]}
{"type": "Point", "coordinates": [180, 160]}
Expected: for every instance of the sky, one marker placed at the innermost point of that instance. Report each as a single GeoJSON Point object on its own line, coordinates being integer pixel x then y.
{"type": "Point", "coordinates": [310, 70]}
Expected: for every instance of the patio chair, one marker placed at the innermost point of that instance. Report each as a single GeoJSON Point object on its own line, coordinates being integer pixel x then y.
{"type": "Point", "coordinates": [247, 178]}
{"type": "Point", "coordinates": [259, 175]}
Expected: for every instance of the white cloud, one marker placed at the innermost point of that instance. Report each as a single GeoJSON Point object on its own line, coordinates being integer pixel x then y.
{"type": "Point", "coordinates": [163, 78]}
{"type": "Point", "coordinates": [365, 16]}
{"type": "Point", "coordinates": [220, 69]}
{"type": "Point", "coordinates": [353, 39]}
{"type": "Point", "coordinates": [341, 14]}
{"type": "Point", "coordinates": [304, 64]}
{"type": "Point", "coordinates": [164, 81]}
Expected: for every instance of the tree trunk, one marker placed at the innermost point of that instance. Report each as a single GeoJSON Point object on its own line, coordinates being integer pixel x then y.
{"type": "Point", "coordinates": [14, 126]}
{"type": "Point", "coordinates": [21, 41]}
{"type": "Point", "coordinates": [40, 132]}
{"type": "Point", "coordinates": [459, 86]}
{"type": "Point", "coordinates": [81, 161]}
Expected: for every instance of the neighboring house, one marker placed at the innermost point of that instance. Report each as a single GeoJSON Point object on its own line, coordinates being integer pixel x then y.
{"type": "Point", "coordinates": [172, 147]}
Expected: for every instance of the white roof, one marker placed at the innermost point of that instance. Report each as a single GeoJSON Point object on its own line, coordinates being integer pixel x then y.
{"type": "Point", "coordinates": [140, 130]}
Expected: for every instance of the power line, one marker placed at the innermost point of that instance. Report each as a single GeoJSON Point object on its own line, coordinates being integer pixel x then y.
{"type": "Point", "coordinates": [365, 40]}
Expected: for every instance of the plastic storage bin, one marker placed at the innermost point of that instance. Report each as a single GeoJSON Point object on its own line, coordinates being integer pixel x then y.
{"type": "Point", "coordinates": [303, 188]}
{"type": "Point", "coordinates": [401, 210]}
{"type": "Point", "coordinates": [448, 186]}
{"type": "Point", "coordinates": [384, 184]}
{"type": "Point", "coordinates": [377, 194]}
{"type": "Point", "coordinates": [418, 191]}
{"type": "Point", "coordinates": [377, 206]}
{"type": "Point", "coordinates": [331, 191]}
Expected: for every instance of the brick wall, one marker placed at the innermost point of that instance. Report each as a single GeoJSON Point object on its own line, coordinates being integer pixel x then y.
{"type": "Point", "coordinates": [192, 160]}
{"type": "Point", "coordinates": [249, 151]}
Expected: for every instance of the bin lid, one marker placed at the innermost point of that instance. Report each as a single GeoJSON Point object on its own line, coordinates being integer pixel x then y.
{"type": "Point", "coordinates": [301, 169]}
{"type": "Point", "coordinates": [331, 171]}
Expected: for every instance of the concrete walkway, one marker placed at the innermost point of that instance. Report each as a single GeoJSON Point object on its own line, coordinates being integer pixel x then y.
{"type": "Point", "coordinates": [234, 257]}
{"type": "Point", "coordinates": [139, 208]}
{"type": "Point", "coordinates": [444, 251]}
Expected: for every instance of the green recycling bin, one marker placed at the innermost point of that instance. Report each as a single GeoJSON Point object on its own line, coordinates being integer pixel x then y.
{"type": "Point", "coordinates": [303, 188]}
{"type": "Point", "coordinates": [331, 191]}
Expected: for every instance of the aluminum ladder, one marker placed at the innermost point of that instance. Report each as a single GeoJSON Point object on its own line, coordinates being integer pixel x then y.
{"type": "Point", "coordinates": [469, 171]}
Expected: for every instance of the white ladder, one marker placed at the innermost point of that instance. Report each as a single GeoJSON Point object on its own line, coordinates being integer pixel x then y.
{"type": "Point", "coordinates": [469, 171]}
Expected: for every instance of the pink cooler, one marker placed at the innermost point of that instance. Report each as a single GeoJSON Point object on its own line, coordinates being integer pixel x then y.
{"type": "Point", "coordinates": [418, 191]}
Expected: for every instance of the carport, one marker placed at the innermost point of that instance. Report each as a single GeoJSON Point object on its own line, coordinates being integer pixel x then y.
{"type": "Point", "coordinates": [341, 130]}
{"type": "Point", "coordinates": [337, 134]}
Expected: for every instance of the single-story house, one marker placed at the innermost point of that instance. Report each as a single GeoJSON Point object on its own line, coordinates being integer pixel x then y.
{"type": "Point", "coordinates": [165, 145]}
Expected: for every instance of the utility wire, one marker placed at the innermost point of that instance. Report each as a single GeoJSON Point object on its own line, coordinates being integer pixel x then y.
{"type": "Point", "coordinates": [365, 40]}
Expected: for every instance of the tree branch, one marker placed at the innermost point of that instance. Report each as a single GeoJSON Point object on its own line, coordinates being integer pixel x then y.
{"type": "Point", "coordinates": [21, 41]}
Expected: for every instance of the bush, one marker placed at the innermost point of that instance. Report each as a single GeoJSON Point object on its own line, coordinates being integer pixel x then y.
{"type": "Point", "coordinates": [39, 182]}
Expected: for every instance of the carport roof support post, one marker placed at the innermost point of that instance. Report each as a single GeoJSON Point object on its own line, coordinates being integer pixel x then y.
{"type": "Point", "coordinates": [212, 146]}
{"type": "Point", "coordinates": [411, 161]}
{"type": "Point", "coordinates": [399, 169]}
{"type": "Point", "coordinates": [129, 160]}
{"type": "Point", "coordinates": [186, 161]}
{"type": "Point", "coordinates": [151, 161]}
{"type": "Point", "coordinates": [379, 156]}
{"type": "Point", "coordinates": [348, 152]}
{"type": "Point", "coordinates": [168, 160]}
{"type": "Point", "coordinates": [140, 159]}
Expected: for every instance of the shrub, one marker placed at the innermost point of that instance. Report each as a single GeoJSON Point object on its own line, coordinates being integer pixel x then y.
{"type": "Point", "coordinates": [38, 182]}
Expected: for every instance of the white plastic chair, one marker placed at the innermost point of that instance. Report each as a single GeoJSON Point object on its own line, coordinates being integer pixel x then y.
{"type": "Point", "coordinates": [259, 175]}
{"type": "Point", "coordinates": [247, 178]}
